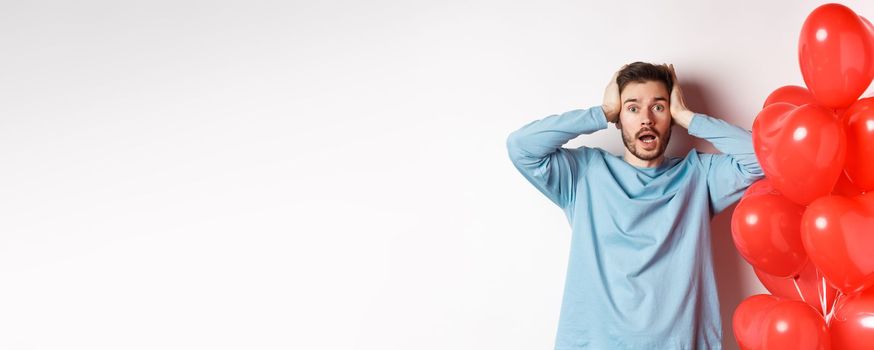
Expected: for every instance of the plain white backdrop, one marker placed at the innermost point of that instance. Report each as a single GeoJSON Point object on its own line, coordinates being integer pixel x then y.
{"type": "Point", "coordinates": [326, 174]}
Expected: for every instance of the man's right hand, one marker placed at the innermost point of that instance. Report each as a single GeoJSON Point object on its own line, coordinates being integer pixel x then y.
{"type": "Point", "coordinates": [612, 105]}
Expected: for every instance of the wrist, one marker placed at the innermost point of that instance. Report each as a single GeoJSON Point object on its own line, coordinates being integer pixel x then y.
{"type": "Point", "coordinates": [684, 117]}
{"type": "Point", "coordinates": [610, 113]}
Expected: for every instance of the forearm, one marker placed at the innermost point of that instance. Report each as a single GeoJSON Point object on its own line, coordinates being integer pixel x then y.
{"type": "Point", "coordinates": [542, 137]}
{"type": "Point", "coordinates": [729, 139]}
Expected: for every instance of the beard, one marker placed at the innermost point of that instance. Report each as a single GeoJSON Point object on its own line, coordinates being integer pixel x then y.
{"type": "Point", "coordinates": [631, 144]}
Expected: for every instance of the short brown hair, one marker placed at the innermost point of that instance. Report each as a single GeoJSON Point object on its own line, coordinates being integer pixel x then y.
{"type": "Point", "coordinates": [641, 72]}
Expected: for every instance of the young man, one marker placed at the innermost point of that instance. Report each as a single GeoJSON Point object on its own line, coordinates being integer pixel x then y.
{"type": "Point", "coordinates": [640, 273]}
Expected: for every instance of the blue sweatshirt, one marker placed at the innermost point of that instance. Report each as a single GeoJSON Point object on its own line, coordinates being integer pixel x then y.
{"type": "Point", "coordinates": [640, 273]}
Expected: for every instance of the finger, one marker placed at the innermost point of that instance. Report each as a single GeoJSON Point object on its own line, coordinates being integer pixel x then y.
{"type": "Point", "coordinates": [674, 78]}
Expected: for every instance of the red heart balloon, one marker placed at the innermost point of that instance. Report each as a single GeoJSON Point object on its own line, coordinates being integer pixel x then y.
{"type": "Point", "coordinates": [836, 232]}
{"type": "Point", "coordinates": [835, 54]}
{"type": "Point", "coordinates": [859, 124]}
{"type": "Point", "coordinates": [870, 28]}
{"type": "Point", "coordinates": [762, 186]}
{"type": "Point", "coordinates": [801, 149]}
{"type": "Point", "coordinates": [868, 24]}
{"type": "Point", "coordinates": [845, 187]}
{"type": "Point", "coordinates": [808, 281]}
{"type": "Point", "coordinates": [747, 320]}
{"type": "Point", "coordinates": [793, 325]}
{"type": "Point", "coordinates": [852, 326]}
{"type": "Point", "coordinates": [792, 94]}
{"type": "Point", "coordinates": [766, 230]}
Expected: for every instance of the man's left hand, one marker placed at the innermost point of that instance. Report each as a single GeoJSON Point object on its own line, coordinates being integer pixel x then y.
{"type": "Point", "coordinates": [679, 112]}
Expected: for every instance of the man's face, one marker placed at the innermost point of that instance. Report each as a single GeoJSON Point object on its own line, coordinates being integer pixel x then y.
{"type": "Point", "coordinates": [645, 119]}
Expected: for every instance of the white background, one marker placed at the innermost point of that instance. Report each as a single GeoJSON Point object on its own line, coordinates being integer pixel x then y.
{"type": "Point", "coordinates": [325, 174]}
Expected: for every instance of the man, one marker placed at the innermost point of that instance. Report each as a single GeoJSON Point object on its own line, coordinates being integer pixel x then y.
{"type": "Point", "coordinates": [640, 273]}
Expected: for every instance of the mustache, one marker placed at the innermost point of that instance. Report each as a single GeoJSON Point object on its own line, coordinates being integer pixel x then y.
{"type": "Point", "coordinates": [641, 131]}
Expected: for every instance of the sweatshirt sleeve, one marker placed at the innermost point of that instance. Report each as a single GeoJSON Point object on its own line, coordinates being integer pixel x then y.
{"type": "Point", "coordinates": [535, 150]}
{"type": "Point", "coordinates": [730, 173]}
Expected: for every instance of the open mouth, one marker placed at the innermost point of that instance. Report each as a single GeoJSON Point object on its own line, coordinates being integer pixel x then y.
{"type": "Point", "coordinates": [648, 139]}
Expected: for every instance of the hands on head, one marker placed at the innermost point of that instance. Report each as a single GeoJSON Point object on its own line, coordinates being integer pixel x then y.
{"type": "Point", "coordinates": [679, 112]}
{"type": "Point", "coordinates": [612, 104]}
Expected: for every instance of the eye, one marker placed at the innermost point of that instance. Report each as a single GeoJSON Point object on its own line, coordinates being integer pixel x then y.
{"type": "Point", "coordinates": [658, 108]}
{"type": "Point", "coordinates": [632, 109]}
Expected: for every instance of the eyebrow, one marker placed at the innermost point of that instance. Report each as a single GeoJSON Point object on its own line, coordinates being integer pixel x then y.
{"type": "Point", "coordinates": [636, 101]}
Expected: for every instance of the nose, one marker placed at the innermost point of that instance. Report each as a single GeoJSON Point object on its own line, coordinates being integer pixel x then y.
{"type": "Point", "coordinates": [648, 119]}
